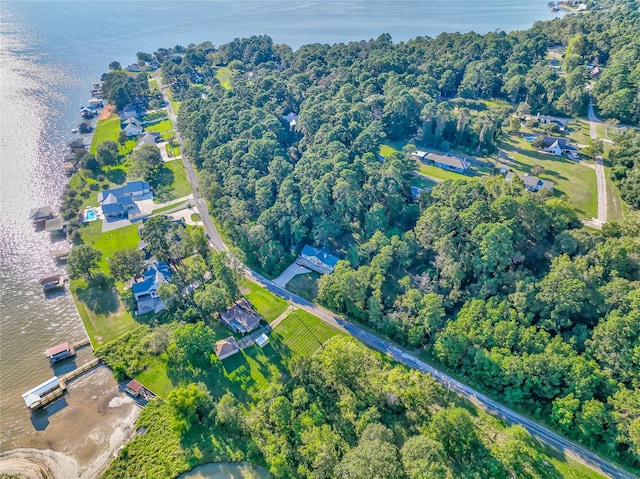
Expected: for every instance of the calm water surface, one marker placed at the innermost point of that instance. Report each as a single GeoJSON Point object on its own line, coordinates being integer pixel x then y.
{"type": "Point", "coordinates": [50, 53]}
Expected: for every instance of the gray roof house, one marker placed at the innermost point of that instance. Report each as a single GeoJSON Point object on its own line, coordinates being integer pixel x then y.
{"type": "Point", "coordinates": [40, 214]}
{"type": "Point", "coordinates": [241, 317]}
{"type": "Point", "coordinates": [226, 347]}
{"type": "Point", "coordinates": [552, 119]}
{"type": "Point", "coordinates": [320, 260]}
{"type": "Point", "coordinates": [150, 138]}
{"type": "Point", "coordinates": [117, 202]}
{"type": "Point", "coordinates": [557, 146]}
{"type": "Point", "coordinates": [452, 163]}
{"type": "Point", "coordinates": [145, 291]}
{"type": "Point", "coordinates": [531, 183]}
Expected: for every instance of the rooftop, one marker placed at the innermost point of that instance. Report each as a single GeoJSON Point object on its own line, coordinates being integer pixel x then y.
{"type": "Point", "coordinates": [241, 316]}
{"type": "Point", "coordinates": [57, 349]}
{"type": "Point", "coordinates": [227, 347]}
{"type": "Point", "coordinates": [323, 255]}
{"type": "Point", "coordinates": [452, 161]}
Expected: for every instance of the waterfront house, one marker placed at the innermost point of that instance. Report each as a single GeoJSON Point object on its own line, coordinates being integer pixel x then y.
{"type": "Point", "coordinates": [87, 113]}
{"type": "Point", "coordinates": [132, 130]}
{"type": "Point", "coordinates": [319, 260]}
{"type": "Point", "coordinates": [77, 144]}
{"type": "Point", "coordinates": [145, 291]}
{"type": "Point", "coordinates": [117, 202]}
{"type": "Point", "coordinates": [134, 68]}
{"type": "Point", "coordinates": [129, 111]}
{"type": "Point", "coordinates": [96, 102]}
{"type": "Point", "coordinates": [69, 168]}
{"type": "Point", "coordinates": [557, 146]}
{"type": "Point", "coordinates": [241, 317]}
{"type": "Point", "coordinates": [129, 121]}
{"type": "Point", "coordinates": [451, 163]}
{"type": "Point", "coordinates": [531, 183]}
{"type": "Point", "coordinates": [226, 347]}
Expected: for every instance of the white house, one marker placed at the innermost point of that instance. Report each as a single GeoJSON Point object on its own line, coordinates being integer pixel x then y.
{"type": "Point", "coordinates": [145, 292]}
{"type": "Point", "coordinates": [132, 129]}
{"type": "Point", "coordinates": [319, 260]}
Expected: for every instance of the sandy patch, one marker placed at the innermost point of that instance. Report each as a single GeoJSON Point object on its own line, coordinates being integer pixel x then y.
{"type": "Point", "coordinates": [78, 436]}
{"type": "Point", "coordinates": [106, 112]}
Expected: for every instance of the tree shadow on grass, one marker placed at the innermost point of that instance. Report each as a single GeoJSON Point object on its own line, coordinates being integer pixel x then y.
{"type": "Point", "coordinates": [162, 184]}
{"type": "Point", "coordinates": [100, 295]}
{"type": "Point", "coordinates": [116, 175]}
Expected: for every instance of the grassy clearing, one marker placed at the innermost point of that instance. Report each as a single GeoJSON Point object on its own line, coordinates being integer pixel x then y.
{"type": "Point", "coordinates": [109, 242]}
{"type": "Point", "coordinates": [107, 129]}
{"type": "Point", "coordinates": [387, 150]}
{"type": "Point", "coordinates": [580, 132]}
{"type": "Point", "coordinates": [302, 334]}
{"type": "Point", "coordinates": [223, 74]}
{"type": "Point", "coordinates": [155, 377]}
{"type": "Point", "coordinates": [268, 305]}
{"type": "Point", "coordinates": [162, 127]}
{"type": "Point", "coordinates": [175, 105]}
{"type": "Point", "coordinates": [105, 317]}
{"type": "Point", "coordinates": [575, 181]}
{"type": "Point", "coordinates": [305, 285]}
{"type": "Point", "coordinates": [171, 182]}
{"type": "Point", "coordinates": [172, 151]}
{"type": "Point", "coordinates": [441, 174]}
{"type": "Point", "coordinates": [422, 182]}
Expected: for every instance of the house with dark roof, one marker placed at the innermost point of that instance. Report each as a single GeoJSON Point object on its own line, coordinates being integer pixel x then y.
{"type": "Point", "coordinates": [129, 111]}
{"type": "Point", "coordinates": [117, 202]}
{"type": "Point", "coordinates": [77, 144]}
{"type": "Point", "coordinates": [37, 215]}
{"type": "Point", "coordinates": [531, 183]}
{"type": "Point", "coordinates": [241, 317]}
{"type": "Point", "coordinates": [320, 260]}
{"type": "Point", "coordinates": [557, 146]}
{"type": "Point", "coordinates": [132, 129]}
{"type": "Point", "coordinates": [150, 138]}
{"type": "Point", "coordinates": [145, 291]}
{"type": "Point", "coordinates": [451, 163]}
{"type": "Point", "coordinates": [546, 119]}
{"type": "Point", "coordinates": [226, 347]}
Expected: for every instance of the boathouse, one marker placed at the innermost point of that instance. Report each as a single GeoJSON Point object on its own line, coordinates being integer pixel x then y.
{"type": "Point", "coordinates": [134, 388]}
{"type": "Point", "coordinates": [60, 352]}
{"type": "Point", "coordinates": [38, 215]}
{"type": "Point", "coordinates": [32, 397]}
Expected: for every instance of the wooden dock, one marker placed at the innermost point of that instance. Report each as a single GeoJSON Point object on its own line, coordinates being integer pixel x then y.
{"type": "Point", "coordinates": [62, 384]}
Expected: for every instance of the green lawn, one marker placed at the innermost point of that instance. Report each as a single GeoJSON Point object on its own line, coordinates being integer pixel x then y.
{"type": "Point", "coordinates": [162, 127]}
{"type": "Point", "coordinates": [572, 179]}
{"type": "Point", "coordinates": [223, 74]}
{"type": "Point", "coordinates": [175, 105]}
{"type": "Point", "coordinates": [172, 151]}
{"type": "Point", "coordinates": [302, 334]}
{"type": "Point", "coordinates": [177, 206]}
{"type": "Point", "coordinates": [422, 182]}
{"type": "Point", "coordinates": [109, 242]}
{"type": "Point", "coordinates": [386, 150]}
{"type": "Point", "coordinates": [268, 305]}
{"type": "Point", "coordinates": [107, 129]}
{"type": "Point", "coordinates": [441, 174]}
{"type": "Point", "coordinates": [155, 377]}
{"type": "Point", "coordinates": [171, 182]}
{"type": "Point", "coordinates": [579, 132]}
{"type": "Point", "coordinates": [153, 85]}
{"type": "Point", "coordinates": [305, 285]}
{"type": "Point", "coordinates": [105, 317]}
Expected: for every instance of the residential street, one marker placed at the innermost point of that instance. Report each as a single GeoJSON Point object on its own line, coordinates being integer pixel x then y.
{"type": "Point", "coordinates": [564, 446]}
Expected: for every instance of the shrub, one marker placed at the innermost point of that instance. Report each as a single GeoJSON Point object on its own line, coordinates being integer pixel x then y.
{"type": "Point", "coordinates": [72, 193]}
{"type": "Point", "coordinates": [94, 186]}
{"type": "Point", "coordinates": [101, 178]}
{"type": "Point", "coordinates": [86, 193]}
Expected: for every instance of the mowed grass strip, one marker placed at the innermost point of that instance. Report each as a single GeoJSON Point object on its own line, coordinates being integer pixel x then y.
{"type": "Point", "coordinates": [303, 334]}
{"type": "Point", "coordinates": [268, 305]}
{"type": "Point", "coordinates": [107, 129]}
{"type": "Point", "coordinates": [223, 74]}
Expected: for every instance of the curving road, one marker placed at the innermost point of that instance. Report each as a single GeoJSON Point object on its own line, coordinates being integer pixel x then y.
{"type": "Point", "coordinates": [564, 446]}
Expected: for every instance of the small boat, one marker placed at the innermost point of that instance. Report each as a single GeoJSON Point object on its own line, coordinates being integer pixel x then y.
{"type": "Point", "coordinates": [74, 130]}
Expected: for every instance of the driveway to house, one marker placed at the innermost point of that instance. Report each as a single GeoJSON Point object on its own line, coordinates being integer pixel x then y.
{"type": "Point", "coordinates": [600, 174]}
{"type": "Point", "coordinates": [289, 273]}
{"type": "Point", "coordinates": [557, 442]}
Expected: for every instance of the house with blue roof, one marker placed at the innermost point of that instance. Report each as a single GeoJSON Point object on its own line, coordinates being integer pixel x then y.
{"type": "Point", "coordinates": [145, 291]}
{"type": "Point", "coordinates": [117, 202]}
{"type": "Point", "coordinates": [319, 260]}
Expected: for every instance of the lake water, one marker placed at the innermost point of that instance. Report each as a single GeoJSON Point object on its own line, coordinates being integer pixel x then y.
{"type": "Point", "coordinates": [51, 52]}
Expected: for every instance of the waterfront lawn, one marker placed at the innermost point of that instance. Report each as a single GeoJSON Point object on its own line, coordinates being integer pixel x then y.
{"type": "Point", "coordinates": [109, 242]}
{"type": "Point", "coordinates": [576, 181]}
{"type": "Point", "coordinates": [170, 182]}
{"type": "Point", "coordinates": [155, 377]}
{"type": "Point", "coordinates": [305, 285]}
{"type": "Point", "coordinates": [268, 305]}
{"type": "Point", "coordinates": [104, 315]}
{"type": "Point", "coordinates": [107, 129]}
{"type": "Point", "coordinates": [223, 74]}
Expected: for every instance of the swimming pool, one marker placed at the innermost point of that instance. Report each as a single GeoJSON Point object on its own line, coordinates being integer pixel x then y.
{"type": "Point", "coordinates": [91, 214]}
{"type": "Point", "coordinates": [529, 138]}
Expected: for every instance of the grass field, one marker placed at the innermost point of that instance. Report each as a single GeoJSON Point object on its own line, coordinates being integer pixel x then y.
{"type": "Point", "coordinates": [109, 242]}
{"type": "Point", "coordinates": [572, 179]}
{"type": "Point", "coordinates": [107, 129]}
{"type": "Point", "coordinates": [579, 132]}
{"type": "Point", "coordinates": [302, 333]}
{"type": "Point", "coordinates": [104, 316]}
{"type": "Point", "coordinates": [268, 305]}
{"type": "Point", "coordinates": [155, 376]}
{"type": "Point", "coordinates": [422, 182]}
{"type": "Point", "coordinates": [223, 74]}
{"type": "Point", "coordinates": [171, 182]}
{"type": "Point", "coordinates": [162, 127]}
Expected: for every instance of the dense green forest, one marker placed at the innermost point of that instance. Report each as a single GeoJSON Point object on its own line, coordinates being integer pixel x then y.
{"type": "Point", "coordinates": [502, 286]}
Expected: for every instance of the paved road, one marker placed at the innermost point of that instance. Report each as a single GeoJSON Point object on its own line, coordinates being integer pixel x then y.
{"type": "Point", "coordinates": [492, 407]}
{"type": "Point", "coordinates": [600, 174]}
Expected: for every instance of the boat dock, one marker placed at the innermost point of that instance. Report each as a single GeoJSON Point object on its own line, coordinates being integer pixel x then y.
{"type": "Point", "coordinates": [52, 389]}
{"type": "Point", "coordinates": [53, 282]}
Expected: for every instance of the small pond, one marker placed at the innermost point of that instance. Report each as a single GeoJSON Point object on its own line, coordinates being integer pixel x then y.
{"type": "Point", "coordinates": [227, 470]}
